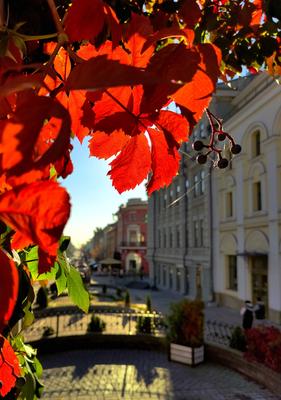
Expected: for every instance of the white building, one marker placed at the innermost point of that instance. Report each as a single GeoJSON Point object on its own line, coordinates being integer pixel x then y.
{"type": "Point", "coordinates": [247, 202]}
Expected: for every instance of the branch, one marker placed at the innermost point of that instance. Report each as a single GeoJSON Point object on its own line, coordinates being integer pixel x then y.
{"type": "Point", "coordinates": [2, 14]}
{"type": "Point", "coordinates": [56, 17]}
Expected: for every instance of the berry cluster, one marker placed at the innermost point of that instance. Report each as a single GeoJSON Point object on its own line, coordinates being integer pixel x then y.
{"type": "Point", "coordinates": [220, 135]}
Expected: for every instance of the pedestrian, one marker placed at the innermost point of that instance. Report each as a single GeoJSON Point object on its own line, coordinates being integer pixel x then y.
{"type": "Point", "coordinates": [247, 313]}
{"type": "Point", "coordinates": [259, 309]}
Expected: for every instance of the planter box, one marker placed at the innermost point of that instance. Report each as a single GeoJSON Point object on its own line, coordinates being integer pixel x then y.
{"type": "Point", "coordinates": [186, 355]}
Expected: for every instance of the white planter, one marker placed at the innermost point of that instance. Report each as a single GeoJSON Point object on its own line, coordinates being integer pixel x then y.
{"type": "Point", "coordinates": [186, 355]}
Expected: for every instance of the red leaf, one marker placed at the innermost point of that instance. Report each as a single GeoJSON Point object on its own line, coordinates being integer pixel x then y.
{"type": "Point", "coordinates": [135, 35]}
{"type": "Point", "coordinates": [171, 32]}
{"type": "Point", "coordinates": [173, 74]}
{"type": "Point", "coordinates": [175, 124]}
{"type": "Point", "coordinates": [190, 12]}
{"type": "Point", "coordinates": [38, 213]}
{"type": "Point", "coordinates": [9, 284]}
{"type": "Point", "coordinates": [27, 142]}
{"type": "Point", "coordinates": [104, 145]}
{"type": "Point", "coordinates": [115, 26]}
{"type": "Point", "coordinates": [165, 160]}
{"type": "Point", "coordinates": [196, 95]}
{"type": "Point", "coordinates": [132, 165]}
{"type": "Point", "coordinates": [74, 103]}
{"type": "Point", "coordinates": [9, 367]}
{"type": "Point", "coordinates": [85, 20]}
{"type": "Point", "coordinates": [101, 72]}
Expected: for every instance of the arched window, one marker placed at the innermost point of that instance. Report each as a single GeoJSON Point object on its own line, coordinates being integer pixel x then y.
{"type": "Point", "coordinates": [256, 143]}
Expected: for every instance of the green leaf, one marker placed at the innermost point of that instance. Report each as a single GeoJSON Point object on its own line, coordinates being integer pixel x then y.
{"type": "Point", "coordinates": [76, 289]}
{"type": "Point", "coordinates": [61, 279]}
{"type": "Point", "coordinates": [64, 242]}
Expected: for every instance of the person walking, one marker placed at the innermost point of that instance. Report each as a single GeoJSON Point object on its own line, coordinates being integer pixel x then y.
{"type": "Point", "coordinates": [259, 309]}
{"type": "Point", "coordinates": [247, 313]}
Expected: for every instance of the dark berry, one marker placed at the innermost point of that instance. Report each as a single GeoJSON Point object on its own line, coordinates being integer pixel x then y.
{"type": "Point", "coordinates": [236, 149]}
{"type": "Point", "coordinates": [223, 163]}
{"type": "Point", "coordinates": [221, 136]}
{"type": "Point", "coordinates": [197, 145]}
{"type": "Point", "coordinates": [201, 159]}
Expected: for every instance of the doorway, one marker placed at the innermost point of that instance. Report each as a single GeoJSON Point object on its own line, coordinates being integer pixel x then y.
{"type": "Point", "coordinates": [259, 268]}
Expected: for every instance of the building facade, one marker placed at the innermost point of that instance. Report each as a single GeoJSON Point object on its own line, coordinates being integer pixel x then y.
{"type": "Point", "coordinates": [222, 239]}
{"type": "Point", "coordinates": [132, 236]}
{"type": "Point", "coordinates": [247, 209]}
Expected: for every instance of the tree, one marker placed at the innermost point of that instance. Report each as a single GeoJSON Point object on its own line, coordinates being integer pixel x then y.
{"type": "Point", "coordinates": [111, 71]}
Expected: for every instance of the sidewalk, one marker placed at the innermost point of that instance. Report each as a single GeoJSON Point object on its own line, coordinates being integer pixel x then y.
{"type": "Point", "coordinates": [162, 299]}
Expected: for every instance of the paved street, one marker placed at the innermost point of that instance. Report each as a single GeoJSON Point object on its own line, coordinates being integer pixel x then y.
{"type": "Point", "coordinates": [134, 374]}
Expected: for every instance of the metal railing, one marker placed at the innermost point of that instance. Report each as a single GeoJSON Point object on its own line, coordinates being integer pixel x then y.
{"type": "Point", "coordinates": [55, 323]}
{"type": "Point", "coordinates": [67, 321]}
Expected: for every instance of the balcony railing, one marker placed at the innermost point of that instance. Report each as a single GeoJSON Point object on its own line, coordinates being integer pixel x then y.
{"type": "Point", "coordinates": [133, 244]}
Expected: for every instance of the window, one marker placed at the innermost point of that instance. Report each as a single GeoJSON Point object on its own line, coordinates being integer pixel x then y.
{"type": "Point", "coordinates": [202, 182]}
{"type": "Point", "coordinates": [164, 240]}
{"type": "Point", "coordinates": [132, 216]}
{"type": "Point", "coordinates": [170, 278]}
{"type": "Point", "coordinates": [196, 233]}
{"type": "Point", "coordinates": [178, 237]}
{"type": "Point", "coordinates": [196, 186]}
{"type": "Point", "coordinates": [256, 142]}
{"type": "Point", "coordinates": [229, 205]}
{"type": "Point", "coordinates": [165, 200]}
{"type": "Point", "coordinates": [159, 239]}
{"type": "Point", "coordinates": [201, 232]}
{"type": "Point", "coordinates": [133, 236]}
{"type": "Point", "coordinates": [232, 273]}
{"type": "Point", "coordinates": [178, 189]}
{"type": "Point", "coordinates": [202, 132]}
{"type": "Point", "coordinates": [170, 238]}
{"type": "Point", "coordinates": [257, 196]}
{"type": "Point", "coordinates": [164, 275]}
{"type": "Point", "coordinates": [178, 280]}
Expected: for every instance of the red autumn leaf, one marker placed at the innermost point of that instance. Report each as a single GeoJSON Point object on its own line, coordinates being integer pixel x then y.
{"type": "Point", "coordinates": [190, 12]}
{"type": "Point", "coordinates": [172, 74]}
{"type": "Point", "coordinates": [9, 367]}
{"type": "Point", "coordinates": [171, 32]}
{"type": "Point", "coordinates": [74, 103]}
{"type": "Point", "coordinates": [115, 27]}
{"type": "Point", "coordinates": [132, 165]}
{"type": "Point", "coordinates": [104, 146]}
{"type": "Point", "coordinates": [165, 160]}
{"type": "Point", "coordinates": [175, 124]}
{"type": "Point", "coordinates": [38, 213]}
{"type": "Point", "coordinates": [136, 33]}
{"type": "Point", "coordinates": [9, 284]}
{"type": "Point", "coordinates": [257, 13]}
{"type": "Point", "coordinates": [101, 72]}
{"type": "Point", "coordinates": [85, 19]}
{"type": "Point", "coordinates": [27, 142]}
{"type": "Point", "coordinates": [194, 97]}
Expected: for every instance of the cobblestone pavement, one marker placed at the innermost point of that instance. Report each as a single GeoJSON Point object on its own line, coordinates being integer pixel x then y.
{"type": "Point", "coordinates": [134, 375]}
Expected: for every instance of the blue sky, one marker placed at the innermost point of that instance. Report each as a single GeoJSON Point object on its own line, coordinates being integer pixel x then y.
{"type": "Point", "coordinates": [93, 197]}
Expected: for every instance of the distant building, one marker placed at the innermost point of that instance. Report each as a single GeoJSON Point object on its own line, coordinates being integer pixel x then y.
{"type": "Point", "coordinates": [132, 236]}
{"type": "Point", "coordinates": [110, 240]}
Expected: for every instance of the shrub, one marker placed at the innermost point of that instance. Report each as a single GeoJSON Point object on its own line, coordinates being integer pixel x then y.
{"type": "Point", "coordinates": [145, 324]}
{"type": "Point", "coordinates": [148, 304]}
{"type": "Point", "coordinates": [127, 299]}
{"type": "Point", "coordinates": [238, 339]}
{"type": "Point", "coordinates": [264, 346]}
{"type": "Point", "coordinates": [186, 323]}
{"type": "Point", "coordinates": [42, 298]}
{"type": "Point", "coordinates": [96, 324]}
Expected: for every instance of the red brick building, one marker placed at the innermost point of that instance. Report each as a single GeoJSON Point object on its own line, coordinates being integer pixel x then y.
{"type": "Point", "coordinates": [132, 236]}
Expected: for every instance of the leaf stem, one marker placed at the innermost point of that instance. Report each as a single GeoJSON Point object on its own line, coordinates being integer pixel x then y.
{"type": "Point", "coordinates": [32, 37]}
{"type": "Point", "coordinates": [56, 17]}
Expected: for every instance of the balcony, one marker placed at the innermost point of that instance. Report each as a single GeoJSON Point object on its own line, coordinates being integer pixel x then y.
{"type": "Point", "coordinates": [133, 244]}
